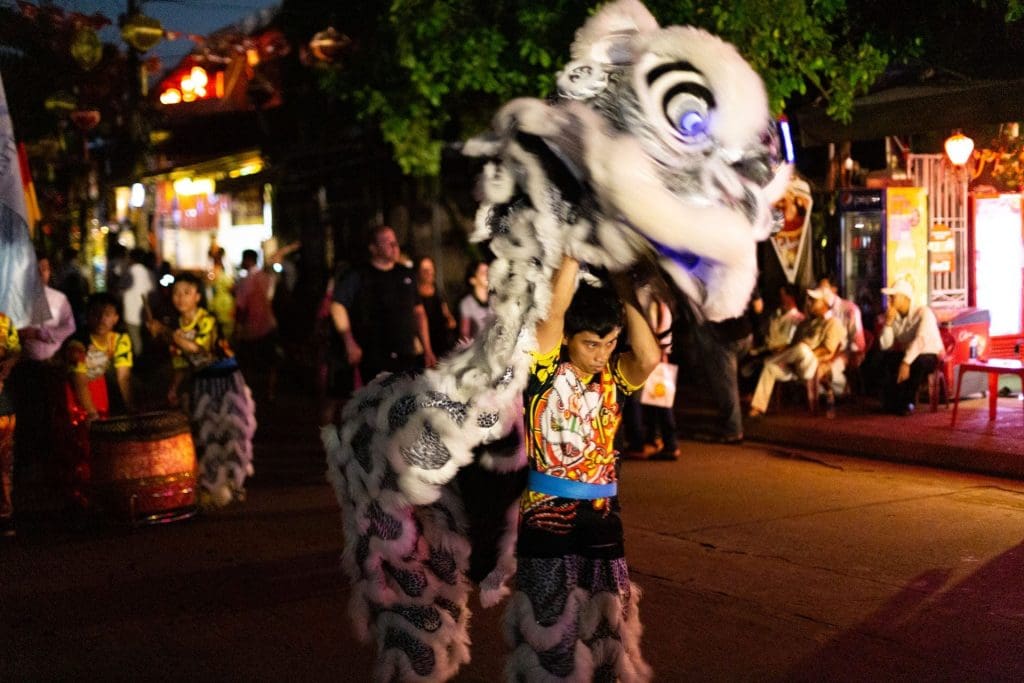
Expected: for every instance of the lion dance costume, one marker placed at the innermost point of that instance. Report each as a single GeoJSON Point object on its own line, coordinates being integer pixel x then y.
{"type": "Point", "coordinates": [659, 149]}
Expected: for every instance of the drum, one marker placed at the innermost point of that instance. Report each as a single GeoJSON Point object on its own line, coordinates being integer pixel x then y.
{"type": "Point", "coordinates": [143, 467]}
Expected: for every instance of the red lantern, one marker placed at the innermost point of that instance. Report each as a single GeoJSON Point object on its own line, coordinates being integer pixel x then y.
{"type": "Point", "coordinates": [85, 119]}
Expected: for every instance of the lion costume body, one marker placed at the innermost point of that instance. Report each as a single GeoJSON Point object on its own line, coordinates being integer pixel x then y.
{"type": "Point", "coordinates": [659, 148]}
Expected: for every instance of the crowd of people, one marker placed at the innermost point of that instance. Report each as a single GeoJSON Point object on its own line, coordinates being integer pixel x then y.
{"type": "Point", "coordinates": [385, 316]}
{"type": "Point", "coordinates": [106, 354]}
{"type": "Point", "coordinates": [102, 354]}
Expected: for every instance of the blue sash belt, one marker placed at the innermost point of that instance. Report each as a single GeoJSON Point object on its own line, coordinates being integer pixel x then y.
{"type": "Point", "coordinates": [568, 488]}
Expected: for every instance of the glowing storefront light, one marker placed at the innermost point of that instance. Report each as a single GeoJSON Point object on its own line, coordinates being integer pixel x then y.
{"type": "Point", "coordinates": [188, 187]}
{"type": "Point", "coordinates": [191, 86]}
{"type": "Point", "coordinates": [138, 196]}
{"type": "Point", "coordinates": [958, 148]}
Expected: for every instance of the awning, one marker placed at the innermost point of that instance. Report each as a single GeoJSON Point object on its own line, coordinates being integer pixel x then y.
{"type": "Point", "coordinates": [915, 109]}
{"type": "Point", "coordinates": [241, 164]}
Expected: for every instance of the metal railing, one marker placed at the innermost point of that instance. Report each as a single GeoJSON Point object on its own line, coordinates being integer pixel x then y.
{"type": "Point", "coordinates": [947, 206]}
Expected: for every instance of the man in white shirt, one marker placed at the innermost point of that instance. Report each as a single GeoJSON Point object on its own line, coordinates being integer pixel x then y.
{"type": "Point", "coordinates": [136, 292]}
{"type": "Point", "coordinates": [38, 380]}
{"type": "Point", "coordinates": [41, 342]}
{"type": "Point", "coordinates": [784, 321]}
{"type": "Point", "coordinates": [911, 345]}
{"type": "Point", "coordinates": [816, 341]}
{"type": "Point", "coordinates": [851, 351]}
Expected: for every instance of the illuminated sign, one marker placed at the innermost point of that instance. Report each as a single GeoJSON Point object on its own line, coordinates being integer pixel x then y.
{"type": "Point", "coordinates": [187, 187]}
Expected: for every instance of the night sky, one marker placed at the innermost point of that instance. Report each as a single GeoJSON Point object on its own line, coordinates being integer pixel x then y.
{"type": "Point", "coordinates": [188, 16]}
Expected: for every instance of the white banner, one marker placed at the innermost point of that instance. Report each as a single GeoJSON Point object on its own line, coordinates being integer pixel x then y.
{"type": "Point", "coordinates": [791, 242]}
{"type": "Point", "coordinates": [21, 293]}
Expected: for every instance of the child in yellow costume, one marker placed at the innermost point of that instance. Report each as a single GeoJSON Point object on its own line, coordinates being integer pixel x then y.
{"type": "Point", "coordinates": [210, 387]}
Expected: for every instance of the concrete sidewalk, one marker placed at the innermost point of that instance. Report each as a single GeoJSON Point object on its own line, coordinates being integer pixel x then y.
{"type": "Point", "coordinates": [925, 438]}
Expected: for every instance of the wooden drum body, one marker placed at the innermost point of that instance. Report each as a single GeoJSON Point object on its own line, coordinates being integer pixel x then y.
{"type": "Point", "coordinates": [143, 467]}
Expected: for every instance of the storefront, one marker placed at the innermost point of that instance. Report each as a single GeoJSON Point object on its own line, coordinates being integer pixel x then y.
{"type": "Point", "coordinates": [227, 201]}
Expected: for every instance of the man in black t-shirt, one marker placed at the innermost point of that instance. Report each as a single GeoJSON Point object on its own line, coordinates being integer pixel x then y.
{"type": "Point", "coordinates": [377, 312]}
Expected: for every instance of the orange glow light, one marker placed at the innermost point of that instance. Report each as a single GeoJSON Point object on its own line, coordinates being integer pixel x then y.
{"type": "Point", "coordinates": [170, 96]}
{"type": "Point", "coordinates": [192, 85]}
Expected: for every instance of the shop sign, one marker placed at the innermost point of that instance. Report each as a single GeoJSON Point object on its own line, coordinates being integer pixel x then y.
{"type": "Point", "coordinates": [941, 249]}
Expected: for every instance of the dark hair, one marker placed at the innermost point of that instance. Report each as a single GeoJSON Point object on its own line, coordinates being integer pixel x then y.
{"type": "Point", "coordinates": [471, 269]}
{"type": "Point", "coordinates": [250, 254]}
{"type": "Point", "coordinates": [99, 301]}
{"type": "Point", "coordinates": [593, 309]}
{"type": "Point", "coordinates": [376, 230]}
{"type": "Point", "coordinates": [189, 278]}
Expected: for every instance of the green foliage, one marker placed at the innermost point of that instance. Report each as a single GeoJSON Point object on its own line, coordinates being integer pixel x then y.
{"type": "Point", "coordinates": [1003, 160]}
{"type": "Point", "coordinates": [429, 71]}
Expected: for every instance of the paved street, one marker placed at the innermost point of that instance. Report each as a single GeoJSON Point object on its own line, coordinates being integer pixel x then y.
{"type": "Point", "coordinates": [756, 563]}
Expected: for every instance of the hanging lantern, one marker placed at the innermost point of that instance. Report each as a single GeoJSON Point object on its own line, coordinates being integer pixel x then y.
{"type": "Point", "coordinates": [60, 102]}
{"type": "Point", "coordinates": [85, 119]}
{"type": "Point", "coordinates": [327, 45]}
{"type": "Point", "coordinates": [86, 48]}
{"type": "Point", "coordinates": [142, 32]}
{"type": "Point", "coordinates": [959, 148]}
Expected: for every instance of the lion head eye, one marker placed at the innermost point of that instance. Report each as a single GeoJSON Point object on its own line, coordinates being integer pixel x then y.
{"type": "Point", "coordinates": [677, 93]}
{"type": "Point", "coordinates": [688, 115]}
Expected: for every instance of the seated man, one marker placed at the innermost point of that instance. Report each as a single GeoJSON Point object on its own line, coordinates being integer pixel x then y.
{"type": "Point", "coordinates": [911, 344]}
{"type": "Point", "coordinates": [817, 341]}
{"type": "Point", "coordinates": [781, 330]}
{"type": "Point", "coordinates": [851, 351]}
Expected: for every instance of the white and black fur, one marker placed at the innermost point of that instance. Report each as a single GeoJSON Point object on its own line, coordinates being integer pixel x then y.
{"type": "Point", "coordinates": [603, 175]}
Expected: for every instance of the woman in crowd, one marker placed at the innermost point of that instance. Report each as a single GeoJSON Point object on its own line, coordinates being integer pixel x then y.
{"type": "Point", "coordinates": [440, 320]}
{"type": "Point", "coordinates": [474, 309]}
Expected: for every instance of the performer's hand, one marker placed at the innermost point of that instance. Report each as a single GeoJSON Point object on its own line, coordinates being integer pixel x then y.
{"type": "Point", "coordinates": [91, 416]}
{"type": "Point", "coordinates": [172, 397]}
{"type": "Point", "coordinates": [904, 373]}
{"type": "Point", "coordinates": [429, 359]}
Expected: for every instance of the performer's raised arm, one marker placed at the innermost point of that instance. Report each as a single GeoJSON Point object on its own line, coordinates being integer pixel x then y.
{"type": "Point", "coordinates": [563, 285]}
{"type": "Point", "coordinates": [645, 352]}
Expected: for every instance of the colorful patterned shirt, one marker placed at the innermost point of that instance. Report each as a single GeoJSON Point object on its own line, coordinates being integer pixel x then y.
{"type": "Point", "coordinates": [571, 420]}
{"type": "Point", "coordinates": [202, 330]}
{"type": "Point", "coordinates": [9, 342]}
{"type": "Point", "coordinates": [113, 349]}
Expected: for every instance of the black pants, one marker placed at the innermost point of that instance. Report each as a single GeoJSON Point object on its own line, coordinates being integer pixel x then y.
{"type": "Point", "coordinates": [896, 397]}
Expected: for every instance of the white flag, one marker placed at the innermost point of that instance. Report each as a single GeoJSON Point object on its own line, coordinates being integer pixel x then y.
{"type": "Point", "coordinates": [21, 293]}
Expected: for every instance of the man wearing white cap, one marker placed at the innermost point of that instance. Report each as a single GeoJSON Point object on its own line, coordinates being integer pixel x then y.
{"type": "Point", "coordinates": [911, 345]}
{"type": "Point", "coordinates": [816, 340]}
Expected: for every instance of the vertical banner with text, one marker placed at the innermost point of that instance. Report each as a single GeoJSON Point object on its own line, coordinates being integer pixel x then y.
{"type": "Point", "coordinates": [22, 296]}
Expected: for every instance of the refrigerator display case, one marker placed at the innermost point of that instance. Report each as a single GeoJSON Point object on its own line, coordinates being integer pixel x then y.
{"type": "Point", "coordinates": [862, 249]}
{"type": "Point", "coordinates": [884, 236]}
